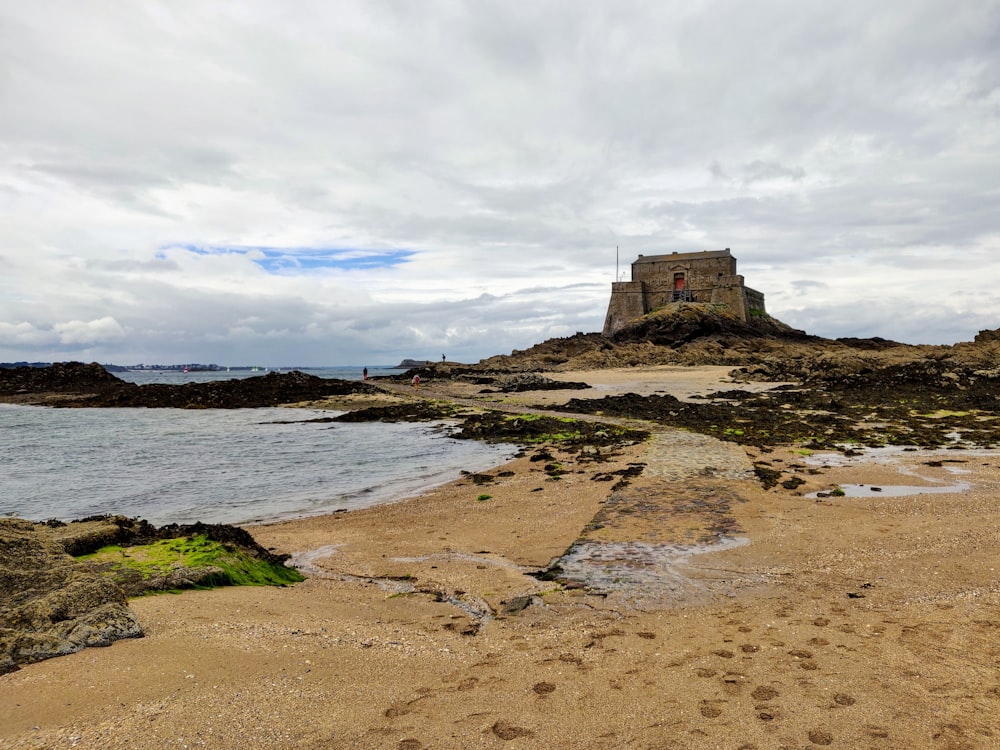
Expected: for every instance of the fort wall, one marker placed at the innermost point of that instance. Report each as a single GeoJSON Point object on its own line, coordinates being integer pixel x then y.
{"type": "Point", "coordinates": [660, 280]}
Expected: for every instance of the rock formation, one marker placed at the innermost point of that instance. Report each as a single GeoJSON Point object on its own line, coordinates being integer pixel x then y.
{"type": "Point", "coordinates": [50, 604]}
{"type": "Point", "coordinates": [77, 384]}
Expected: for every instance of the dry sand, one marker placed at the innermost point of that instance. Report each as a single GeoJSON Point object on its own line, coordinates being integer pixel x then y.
{"type": "Point", "coordinates": [846, 622]}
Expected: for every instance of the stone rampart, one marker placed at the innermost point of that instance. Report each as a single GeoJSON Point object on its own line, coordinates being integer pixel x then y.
{"type": "Point", "coordinates": [659, 280]}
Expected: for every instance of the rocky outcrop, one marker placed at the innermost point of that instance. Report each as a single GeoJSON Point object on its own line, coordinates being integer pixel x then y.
{"type": "Point", "coordinates": [58, 378]}
{"type": "Point", "coordinates": [682, 334]}
{"type": "Point", "coordinates": [702, 334]}
{"type": "Point", "coordinates": [199, 555]}
{"type": "Point", "coordinates": [684, 323]}
{"type": "Point", "coordinates": [50, 604]}
{"type": "Point", "coordinates": [530, 381]}
{"type": "Point", "coordinates": [77, 384]}
{"type": "Point", "coordinates": [988, 336]}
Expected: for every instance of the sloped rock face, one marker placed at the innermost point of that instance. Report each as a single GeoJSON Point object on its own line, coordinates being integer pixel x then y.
{"type": "Point", "coordinates": [50, 604]}
{"type": "Point", "coordinates": [549, 354]}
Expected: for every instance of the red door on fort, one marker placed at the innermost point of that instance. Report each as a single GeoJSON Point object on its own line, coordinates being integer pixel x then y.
{"type": "Point", "coordinates": [679, 282]}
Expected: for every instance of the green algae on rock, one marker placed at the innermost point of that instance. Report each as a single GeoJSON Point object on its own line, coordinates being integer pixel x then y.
{"type": "Point", "coordinates": [187, 562]}
{"type": "Point", "coordinates": [63, 586]}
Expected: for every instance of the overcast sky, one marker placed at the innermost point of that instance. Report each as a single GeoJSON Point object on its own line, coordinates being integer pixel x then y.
{"type": "Point", "coordinates": [338, 182]}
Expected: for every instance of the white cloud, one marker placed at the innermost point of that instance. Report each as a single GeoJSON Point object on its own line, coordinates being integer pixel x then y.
{"type": "Point", "coordinates": [847, 154]}
{"type": "Point", "coordinates": [82, 333]}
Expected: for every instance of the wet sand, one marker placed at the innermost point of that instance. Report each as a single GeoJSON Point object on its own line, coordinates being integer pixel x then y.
{"type": "Point", "coordinates": [870, 622]}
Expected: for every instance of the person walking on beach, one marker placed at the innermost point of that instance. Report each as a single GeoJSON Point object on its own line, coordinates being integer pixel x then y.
{"type": "Point", "coordinates": [416, 382]}
{"type": "Point", "coordinates": [364, 374]}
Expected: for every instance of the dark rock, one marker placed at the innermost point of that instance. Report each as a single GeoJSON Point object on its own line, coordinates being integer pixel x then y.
{"type": "Point", "coordinates": [529, 381]}
{"type": "Point", "coordinates": [686, 323]}
{"type": "Point", "coordinates": [988, 336]}
{"type": "Point", "coordinates": [516, 604]}
{"type": "Point", "coordinates": [61, 377]}
{"type": "Point", "coordinates": [410, 411]}
{"type": "Point", "coordinates": [77, 384]}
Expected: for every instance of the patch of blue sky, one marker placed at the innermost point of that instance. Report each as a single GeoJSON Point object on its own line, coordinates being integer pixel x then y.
{"type": "Point", "coordinates": [281, 260]}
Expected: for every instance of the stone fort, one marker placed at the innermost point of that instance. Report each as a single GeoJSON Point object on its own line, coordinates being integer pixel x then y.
{"type": "Point", "coordinates": [660, 280]}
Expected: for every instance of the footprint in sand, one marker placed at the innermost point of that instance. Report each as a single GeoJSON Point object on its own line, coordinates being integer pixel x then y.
{"type": "Point", "coordinates": [804, 658]}
{"type": "Point", "coordinates": [543, 688]}
{"type": "Point", "coordinates": [710, 709]}
{"type": "Point", "coordinates": [764, 693]}
{"type": "Point", "coordinates": [507, 731]}
{"type": "Point", "coordinates": [820, 737]}
{"type": "Point", "coordinates": [843, 699]}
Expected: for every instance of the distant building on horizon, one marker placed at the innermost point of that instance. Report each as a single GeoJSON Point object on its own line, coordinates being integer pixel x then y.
{"type": "Point", "coordinates": [659, 280]}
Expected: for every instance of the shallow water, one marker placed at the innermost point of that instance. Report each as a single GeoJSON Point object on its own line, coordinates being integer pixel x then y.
{"type": "Point", "coordinates": [646, 572]}
{"type": "Point", "coordinates": [217, 465]}
{"type": "Point", "coordinates": [893, 490]}
{"type": "Point", "coordinates": [907, 462]}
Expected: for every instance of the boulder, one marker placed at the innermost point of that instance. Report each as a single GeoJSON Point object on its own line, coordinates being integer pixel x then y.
{"type": "Point", "coordinates": [50, 604]}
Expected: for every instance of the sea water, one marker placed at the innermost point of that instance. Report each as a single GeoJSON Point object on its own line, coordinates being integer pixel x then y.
{"type": "Point", "coordinates": [177, 377]}
{"type": "Point", "coordinates": [218, 465]}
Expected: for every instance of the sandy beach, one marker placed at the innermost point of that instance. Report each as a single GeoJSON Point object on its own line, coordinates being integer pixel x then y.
{"type": "Point", "coordinates": [855, 622]}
